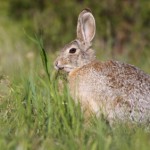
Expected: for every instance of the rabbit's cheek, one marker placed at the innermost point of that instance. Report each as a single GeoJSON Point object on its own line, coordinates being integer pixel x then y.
{"type": "Point", "coordinates": [64, 62]}
{"type": "Point", "coordinates": [60, 63]}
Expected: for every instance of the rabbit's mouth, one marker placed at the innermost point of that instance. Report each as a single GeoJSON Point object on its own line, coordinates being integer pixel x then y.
{"type": "Point", "coordinates": [68, 69]}
{"type": "Point", "coordinates": [59, 66]}
{"type": "Point", "coordinates": [65, 68]}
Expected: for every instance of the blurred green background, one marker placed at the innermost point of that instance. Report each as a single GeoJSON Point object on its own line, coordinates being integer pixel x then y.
{"type": "Point", "coordinates": [122, 29]}
{"type": "Point", "coordinates": [33, 113]}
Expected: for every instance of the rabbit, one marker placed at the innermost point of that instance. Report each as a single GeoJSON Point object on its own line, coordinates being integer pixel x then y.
{"type": "Point", "coordinates": [118, 91]}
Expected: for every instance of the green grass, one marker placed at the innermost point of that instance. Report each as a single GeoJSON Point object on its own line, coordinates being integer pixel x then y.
{"type": "Point", "coordinates": [35, 114]}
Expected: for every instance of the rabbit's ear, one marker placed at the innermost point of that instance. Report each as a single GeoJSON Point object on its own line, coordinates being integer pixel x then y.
{"type": "Point", "coordinates": [86, 26]}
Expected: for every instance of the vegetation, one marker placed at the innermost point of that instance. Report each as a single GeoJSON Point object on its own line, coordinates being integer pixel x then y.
{"type": "Point", "coordinates": [35, 113]}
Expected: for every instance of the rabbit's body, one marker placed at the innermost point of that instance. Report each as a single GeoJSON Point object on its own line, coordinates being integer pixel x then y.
{"type": "Point", "coordinates": [117, 90]}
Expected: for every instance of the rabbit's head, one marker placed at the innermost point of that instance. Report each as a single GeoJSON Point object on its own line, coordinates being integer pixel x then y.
{"type": "Point", "coordinates": [78, 52]}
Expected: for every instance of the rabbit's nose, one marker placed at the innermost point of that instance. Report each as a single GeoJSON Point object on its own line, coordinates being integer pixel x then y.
{"type": "Point", "coordinates": [58, 66]}
{"type": "Point", "coordinates": [56, 63]}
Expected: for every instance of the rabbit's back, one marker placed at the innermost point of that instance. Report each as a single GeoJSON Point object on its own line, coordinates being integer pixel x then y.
{"type": "Point", "coordinates": [116, 89]}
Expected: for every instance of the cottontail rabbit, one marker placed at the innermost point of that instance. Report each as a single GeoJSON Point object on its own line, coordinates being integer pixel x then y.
{"type": "Point", "coordinates": [117, 90]}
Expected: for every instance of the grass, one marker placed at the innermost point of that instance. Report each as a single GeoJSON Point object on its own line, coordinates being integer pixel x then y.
{"type": "Point", "coordinates": [35, 114]}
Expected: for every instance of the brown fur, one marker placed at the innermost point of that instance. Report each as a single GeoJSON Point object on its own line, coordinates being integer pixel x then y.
{"type": "Point", "coordinates": [117, 90]}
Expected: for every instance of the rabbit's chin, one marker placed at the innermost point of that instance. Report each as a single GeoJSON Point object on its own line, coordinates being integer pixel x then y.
{"type": "Point", "coordinates": [68, 69]}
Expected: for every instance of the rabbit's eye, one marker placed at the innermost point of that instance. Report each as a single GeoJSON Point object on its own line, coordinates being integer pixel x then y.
{"type": "Point", "coordinates": [72, 50]}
